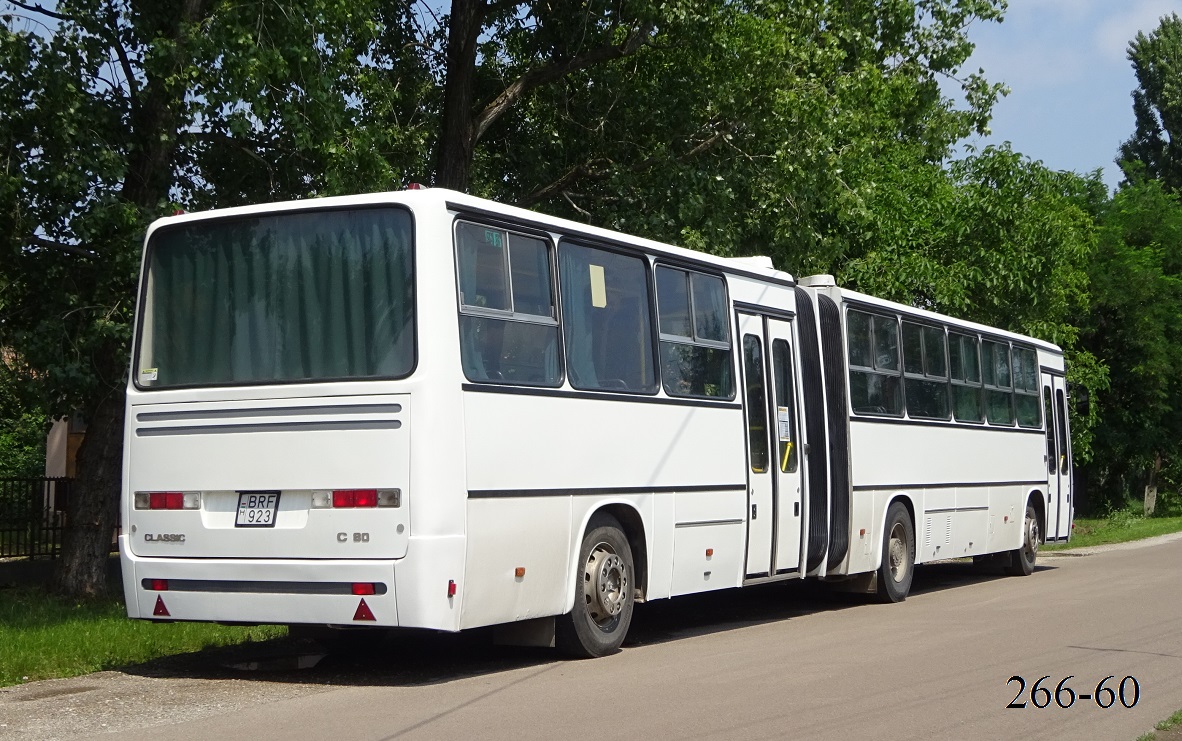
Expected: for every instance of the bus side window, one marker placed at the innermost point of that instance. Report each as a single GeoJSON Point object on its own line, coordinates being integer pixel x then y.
{"type": "Point", "coordinates": [695, 336]}
{"type": "Point", "coordinates": [756, 403]}
{"type": "Point", "coordinates": [1061, 427]}
{"type": "Point", "coordinates": [999, 408]}
{"type": "Point", "coordinates": [606, 320]}
{"type": "Point", "coordinates": [925, 375]}
{"type": "Point", "coordinates": [965, 365]}
{"type": "Point", "coordinates": [873, 345]}
{"type": "Point", "coordinates": [508, 323]}
{"type": "Point", "coordinates": [1026, 387]}
{"type": "Point", "coordinates": [1049, 419]}
{"type": "Point", "coordinates": [785, 405]}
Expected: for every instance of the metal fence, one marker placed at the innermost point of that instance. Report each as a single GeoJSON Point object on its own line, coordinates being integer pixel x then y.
{"type": "Point", "coordinates": [32, 516]}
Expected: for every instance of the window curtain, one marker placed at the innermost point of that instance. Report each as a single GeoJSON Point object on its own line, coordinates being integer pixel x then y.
{"type": "Point", "coordinates": [287, 297]}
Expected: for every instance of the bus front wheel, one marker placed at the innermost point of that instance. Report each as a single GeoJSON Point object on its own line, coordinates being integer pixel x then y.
{"type": "Point", "coordinates": [1022, 559]}
{"type": "Point", "coordinates": [898, 555]}
{"type": "Point", "coordinates": [604, 593]}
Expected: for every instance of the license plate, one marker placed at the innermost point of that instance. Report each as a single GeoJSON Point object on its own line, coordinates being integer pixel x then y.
{"type": "Point", "coordinates": [257, 508]}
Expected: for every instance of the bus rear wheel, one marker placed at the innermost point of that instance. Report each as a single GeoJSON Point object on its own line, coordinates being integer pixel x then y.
{"type": "Point", "coordinates": [1022, 559]}
{"type": "Point", "coordinates": [604, 593]}
{"type": "Point", "coordinates": [898, 555]}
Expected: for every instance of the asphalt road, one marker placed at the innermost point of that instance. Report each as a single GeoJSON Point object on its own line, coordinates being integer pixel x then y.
{"type": "Point", "coordinates": [782, 661]}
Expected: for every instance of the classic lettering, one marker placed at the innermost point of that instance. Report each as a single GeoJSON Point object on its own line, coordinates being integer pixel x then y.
{"type": "Point", "coordinates": [164, 537]}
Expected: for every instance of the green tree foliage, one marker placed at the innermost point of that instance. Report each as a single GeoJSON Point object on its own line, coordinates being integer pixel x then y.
{"type": "Point", "coordinates": [23, 423]}
{"type": "Point", "coordinates": [1133, 328]}
{"type": "Point", "coordinates": [116, 109]}
{"type": "Point", "coordinates": [745, 127]}
{"type": "Point", "coordinates": [1154, 152]}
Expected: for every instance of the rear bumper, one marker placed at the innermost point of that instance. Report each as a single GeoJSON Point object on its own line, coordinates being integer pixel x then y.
{"type": "Point", "coordinates": [229, 590]}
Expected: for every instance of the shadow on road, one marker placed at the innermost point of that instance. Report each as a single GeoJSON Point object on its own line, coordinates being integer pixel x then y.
{"type": "Point", "coordinates": [414, 657]}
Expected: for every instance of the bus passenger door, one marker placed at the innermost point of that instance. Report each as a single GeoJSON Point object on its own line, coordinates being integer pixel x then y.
{"type": "Point", "coordinates": [760, 500]}
{"type": "Point", "coordinates": [786, 446]}
{"type": "Point", "coordinates": [1059, 495]}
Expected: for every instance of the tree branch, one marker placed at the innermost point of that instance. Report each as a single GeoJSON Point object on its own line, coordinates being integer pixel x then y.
{"type": "Point", "coordinates": [133, 88]}
{"type": "Point", "coordinates": [37, 8]}
{"type": "Point", "coordinates": [61, 246]}
{"type": "Point", "coordinates": [598, 169]}
{"type": "Point", "coordinates": [546, 191]}
{"type": "Point", "coordinates": [549, 73]}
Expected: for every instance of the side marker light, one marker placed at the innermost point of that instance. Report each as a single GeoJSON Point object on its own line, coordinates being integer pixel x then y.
{"type": "Point", "coordinates": [451, 588]}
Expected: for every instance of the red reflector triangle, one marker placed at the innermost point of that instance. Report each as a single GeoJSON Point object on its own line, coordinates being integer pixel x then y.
{"type": "Point", "coordinates": [161, 610]}
{"type": "Point", "coordinates": [363, 612]}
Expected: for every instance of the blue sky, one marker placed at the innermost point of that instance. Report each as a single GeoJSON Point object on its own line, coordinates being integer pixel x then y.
{"type": "Point", "coordinates": [1066, 64]}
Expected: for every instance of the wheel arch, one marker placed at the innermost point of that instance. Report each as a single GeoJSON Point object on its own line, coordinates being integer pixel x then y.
{"type": "Point", "coordinates": [632, 524]}
{"type": "Point", "coordinates": [1036, 498]}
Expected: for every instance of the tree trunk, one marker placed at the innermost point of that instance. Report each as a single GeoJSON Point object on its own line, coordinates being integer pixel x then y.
{"type": "Point", "coordinates": [453, 154]}
{"type": "Point", "coordinates": [92, 508]}
{"type": "Point", "coordinates": [1151, 487]}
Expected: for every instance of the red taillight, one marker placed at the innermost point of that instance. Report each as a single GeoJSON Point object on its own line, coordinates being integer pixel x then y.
{"type": "Point", "coordinates": [355, 498]}
{"type": "Point", "coordinates": [166, 500]}
{"type": "Point", "coordinates": [365, 497]}
{"type": "Point", "coordinates": [363, 588]}
{"type": "Point", "coordinates": [158, 585]}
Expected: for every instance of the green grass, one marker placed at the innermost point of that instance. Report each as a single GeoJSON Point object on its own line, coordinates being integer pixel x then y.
{"type": "Point", "coordinates": [1173, 721]}
{"type": "Point", "coordinates": [1120, 527]}
{"type": "Point", "coordinates": [42, 637]}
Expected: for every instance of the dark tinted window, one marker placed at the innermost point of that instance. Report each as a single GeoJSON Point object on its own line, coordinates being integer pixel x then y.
{"type": "Point", "coordinates": [324, 294]}
{"type": "Point", "coordinates": [757, 438]}
{"type": "Point", "coordinates": [606, 320]}
{"type": "Point", "coordinates": [873, 345]}
{"type": "Point", "coordinates": [508, 323]}
{"type": "Point", "coordinates": [695, 336]}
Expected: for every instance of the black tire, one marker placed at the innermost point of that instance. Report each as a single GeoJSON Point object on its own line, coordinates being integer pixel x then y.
{"type": "Point", "coordinates": [898, 555]}
{"type": "Point", "coordinates": [604, 593]}
{"type": "Point", "coordinates": [1022, 559]}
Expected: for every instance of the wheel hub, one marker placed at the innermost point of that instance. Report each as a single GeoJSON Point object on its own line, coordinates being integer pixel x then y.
{"type": "Point", "coordinates": [1031, 536]}
{"type": "Point", "coordinates": [898, 554]}
{"type": "Point", "coordinates": [605, 584]}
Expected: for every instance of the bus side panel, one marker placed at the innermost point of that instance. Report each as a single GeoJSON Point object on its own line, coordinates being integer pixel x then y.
{"type": "Point", "coordinates": [660, 571]}
{"type": "Point", "coordinates": [957, 511]}
{"type": "Point", "coordinates": [507, 534]}
{"type": "Point", "coordinates": [709, 541]}
{"type": "Point", "coordinates": [538, 466]}
{"type": "Point", "coordinates": [542, 443]}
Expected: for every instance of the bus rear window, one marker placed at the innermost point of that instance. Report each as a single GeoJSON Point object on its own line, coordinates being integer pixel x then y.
{"type": "Point", "coordinates": [316, 295]}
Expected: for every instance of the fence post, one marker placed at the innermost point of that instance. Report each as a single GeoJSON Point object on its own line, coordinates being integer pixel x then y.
{"type": "Point", "coordinates": [32, 516]}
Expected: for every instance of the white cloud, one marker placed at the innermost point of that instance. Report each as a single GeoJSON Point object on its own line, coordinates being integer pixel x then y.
{"type": "Point", "coordinates": [1122, 23]}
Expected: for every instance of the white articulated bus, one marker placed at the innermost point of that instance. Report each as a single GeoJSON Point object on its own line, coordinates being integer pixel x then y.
{"type": "Point", "coordinates": [429, 410]}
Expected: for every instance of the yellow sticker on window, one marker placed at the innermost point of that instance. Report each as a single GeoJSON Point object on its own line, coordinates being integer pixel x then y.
{"type": "Point", "coordinates": [598, 287]}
